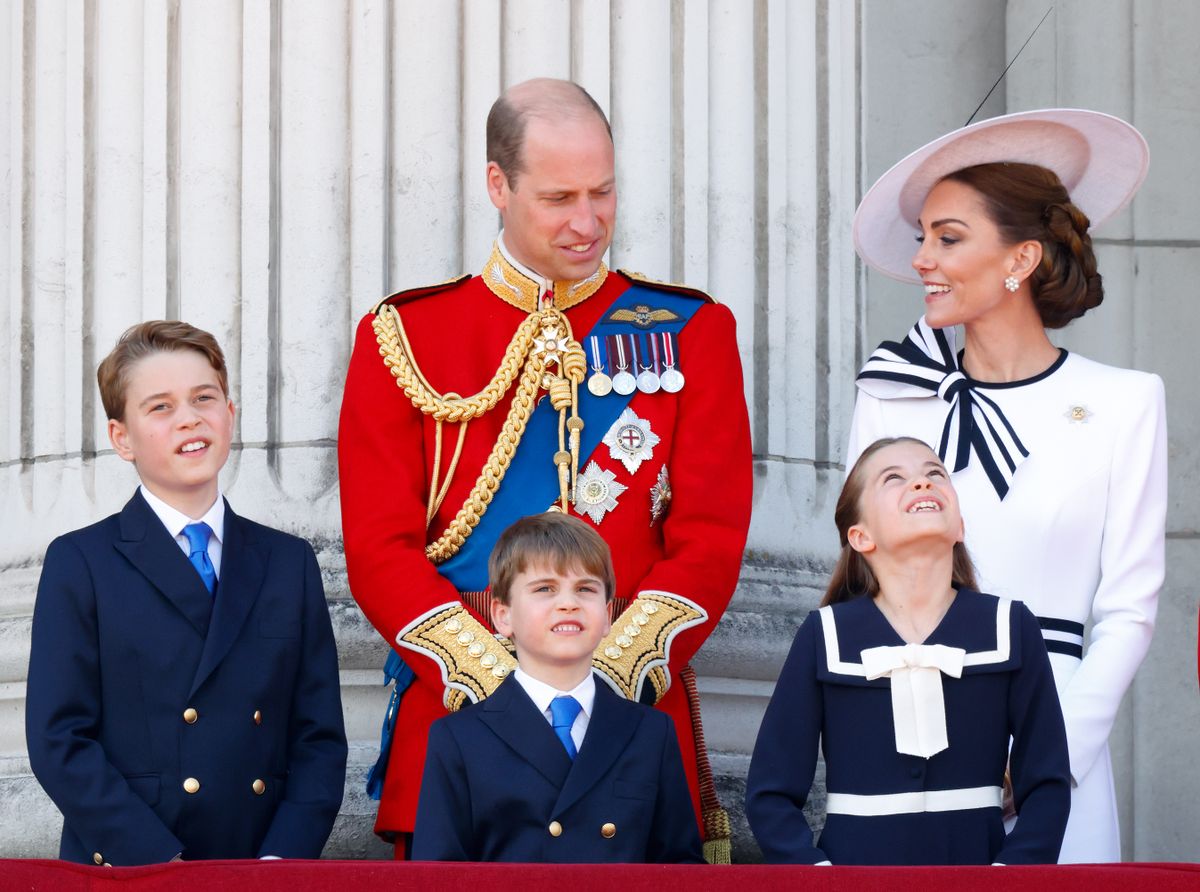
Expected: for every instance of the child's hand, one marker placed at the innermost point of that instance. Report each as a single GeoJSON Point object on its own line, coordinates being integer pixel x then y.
{"type": "Point", "coordinates": [1008, 808]}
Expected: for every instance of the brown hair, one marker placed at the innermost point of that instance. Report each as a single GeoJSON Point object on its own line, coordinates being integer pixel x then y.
{"type": "Point", "coordinates": [561, 540]}
{"type": "Point", "coordinates": [852, 576]}
{"type": "Point", "coordinates": [546, 98]}
{"type": "Point", "coordinates": [145, 339]}
{"type": "Point", "coordinates": [1029, 203]}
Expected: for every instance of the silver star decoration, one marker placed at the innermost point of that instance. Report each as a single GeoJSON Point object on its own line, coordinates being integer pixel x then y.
{"type": "Point", "coordinates": [630, 440]}
{"type": "Point", "coordinates": [596, 492]}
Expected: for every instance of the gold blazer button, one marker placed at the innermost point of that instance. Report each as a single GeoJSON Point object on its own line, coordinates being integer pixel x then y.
{"type": "Point", "coordinates": [608, 831]}
{"type": "Point", "coordinates": [258, 787]}
{"type": "Point", "coordinates": [190, 715]}
{"type": "Point", "coordinates": [191, 785]}
{"type": "Point", "coordinates": [555, 828]}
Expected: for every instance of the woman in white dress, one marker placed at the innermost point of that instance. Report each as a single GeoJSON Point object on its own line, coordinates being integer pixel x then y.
{"type": "Point", "coordinates": [1060, 462]}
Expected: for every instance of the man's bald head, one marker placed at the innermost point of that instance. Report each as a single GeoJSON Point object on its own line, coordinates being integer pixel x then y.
{"type": "Point", "coordinates": [543, 97]}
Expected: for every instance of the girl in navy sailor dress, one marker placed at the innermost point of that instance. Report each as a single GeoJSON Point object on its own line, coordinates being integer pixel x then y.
{"type": "Point", "coordinates": [912, 683]}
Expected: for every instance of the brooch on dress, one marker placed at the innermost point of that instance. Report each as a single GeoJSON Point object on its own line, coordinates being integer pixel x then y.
{"type": "Point", "coordinates": [1078, 414]}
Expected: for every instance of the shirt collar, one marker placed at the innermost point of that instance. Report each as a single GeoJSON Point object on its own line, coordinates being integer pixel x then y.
{"type": "Point", "coordinates": [541, 693]}
{"type": "Point", "coordinates": [543, 283]}
{"type": "Point", "coordinates": [175, 520]}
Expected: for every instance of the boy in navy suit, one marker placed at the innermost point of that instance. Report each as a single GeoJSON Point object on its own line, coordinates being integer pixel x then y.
{"type": "Point", "coordinates": [183, 697]}
{"type": "Point", "coordinates": [553, 767]}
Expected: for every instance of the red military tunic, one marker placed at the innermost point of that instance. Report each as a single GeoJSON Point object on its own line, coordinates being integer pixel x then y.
{"type": "Point", "coordinates": [458, 335]}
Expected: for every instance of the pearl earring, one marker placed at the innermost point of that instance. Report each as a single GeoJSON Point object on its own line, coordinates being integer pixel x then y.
{"type": "Point", "coordinates": [1012, 283]}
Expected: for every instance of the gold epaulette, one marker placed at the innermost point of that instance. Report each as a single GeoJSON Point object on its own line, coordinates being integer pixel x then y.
{"type": "Point", "coordinates": [636, 649]}
{"type": "Point", "coordinates": [473, 661]}
{"type": "Point", "coordinates": [674, 287]}
{"type": "Point", "coordinates": [412, 293]}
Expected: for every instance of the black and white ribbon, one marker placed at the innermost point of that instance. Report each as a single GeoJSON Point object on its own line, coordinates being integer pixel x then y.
{"type": "Point", "coordinates": [925, 363]}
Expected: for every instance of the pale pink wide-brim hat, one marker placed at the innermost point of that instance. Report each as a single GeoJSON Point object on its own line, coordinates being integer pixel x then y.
{"type": "Point", "coordinates": [1101, 159]}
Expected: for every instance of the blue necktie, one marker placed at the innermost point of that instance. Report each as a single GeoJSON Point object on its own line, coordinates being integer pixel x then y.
{"type": "Point", "coordinates": [563, 711]}
{"type": "Point", "coordinates": [197, 536]}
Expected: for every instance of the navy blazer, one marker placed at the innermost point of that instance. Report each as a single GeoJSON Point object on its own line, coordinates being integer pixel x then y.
{"type": "Point", "coordinates": [499, 786]}
{"type": "Point", "coordinates": [164, 720]}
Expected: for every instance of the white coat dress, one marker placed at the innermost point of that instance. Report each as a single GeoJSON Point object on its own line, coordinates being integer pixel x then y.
{"type": "Point", "coordinates": [1079, 534]}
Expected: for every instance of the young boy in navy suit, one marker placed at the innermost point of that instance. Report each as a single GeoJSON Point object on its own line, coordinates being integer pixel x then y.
{"type": "Point", "coordinates": [554, 767]}
{"type": "Point", "coordinates": [183, 697]}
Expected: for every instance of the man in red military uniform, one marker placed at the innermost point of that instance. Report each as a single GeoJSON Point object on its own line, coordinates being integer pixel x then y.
{"type": "Point", "coordinates": [545, 382]}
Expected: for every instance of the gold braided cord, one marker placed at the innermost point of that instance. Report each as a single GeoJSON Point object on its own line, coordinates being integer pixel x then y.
{"type": "Point", "coordinates": [437, 494]}
{"type": "Point", "coordinates": [397, 356]}
{"type": "Point", "coordinates": [498, 460]}
{"type": "Point", "coordinates": [575, 367]}
{"type": "Point", "coordinates": [533, 355]}
{"type": "Point", "coordinates": [433, 478]}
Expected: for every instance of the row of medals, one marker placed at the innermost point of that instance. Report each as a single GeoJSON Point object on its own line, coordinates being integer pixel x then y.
{"type": "Point", "coordinates": [622, 353]}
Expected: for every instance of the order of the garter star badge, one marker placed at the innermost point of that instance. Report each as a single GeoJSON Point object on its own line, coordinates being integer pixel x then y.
{"type": "Point", "coordinates": [596, 492]}
{"type": "Point", "coordinates": [630, 440]}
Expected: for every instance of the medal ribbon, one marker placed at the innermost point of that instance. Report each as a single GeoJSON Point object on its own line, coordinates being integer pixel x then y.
{"type": "Point", "coordinates": [618, 342]}
{"type": "Point", "coordinates": [651, 352]}
{"type": "Point", "coordinates": [668, 346]}
{"type": "Point", "coordinates": [597, 362]}
{"type": "Point", "coordinates": [654, 351]}
{"type": "Point", "coordinates": [925, 363]}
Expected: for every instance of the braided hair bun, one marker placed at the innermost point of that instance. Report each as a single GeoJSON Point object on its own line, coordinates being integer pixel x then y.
{"type": "Point", "coordinates": [1028, 202]}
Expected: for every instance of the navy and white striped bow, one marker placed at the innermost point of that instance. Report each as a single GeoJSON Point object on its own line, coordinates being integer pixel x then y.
{"type": "Point", "coordinates": [926, 363]}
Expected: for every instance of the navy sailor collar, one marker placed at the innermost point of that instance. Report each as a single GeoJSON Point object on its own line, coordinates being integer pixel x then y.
{"type": "Point", "coordinates": [980, 624]}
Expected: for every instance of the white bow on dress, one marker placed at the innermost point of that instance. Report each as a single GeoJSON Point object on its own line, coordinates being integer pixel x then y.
{"type": "Point", "coordinates": [918, 704]}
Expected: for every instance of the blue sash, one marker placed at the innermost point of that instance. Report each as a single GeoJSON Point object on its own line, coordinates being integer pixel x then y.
{"type": "Point", "coordinates": [531, 484]}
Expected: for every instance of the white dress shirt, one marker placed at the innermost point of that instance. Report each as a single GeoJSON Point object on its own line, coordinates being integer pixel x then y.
{"type": "Point", "coordinates": [175, 521]}
{"type": "Point", "coordinates": [541, 694]}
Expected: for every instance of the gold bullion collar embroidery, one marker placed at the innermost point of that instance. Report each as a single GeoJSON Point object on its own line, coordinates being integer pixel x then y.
{"type": "Point", "coordinates": [514, 287]}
